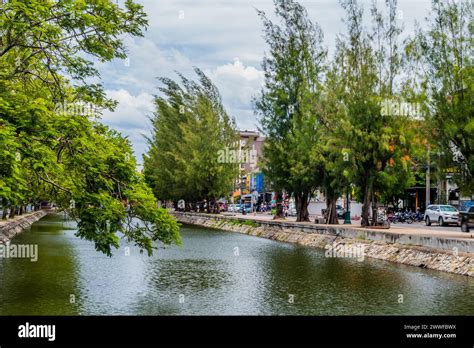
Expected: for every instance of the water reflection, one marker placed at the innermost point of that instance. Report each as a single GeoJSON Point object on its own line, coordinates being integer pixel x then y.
{"type": "Point", "coordinates": [44, 286]}
{"type": "Point", "coordinates": [205, 276]}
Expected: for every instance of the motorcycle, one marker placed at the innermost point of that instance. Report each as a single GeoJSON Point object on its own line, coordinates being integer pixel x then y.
{"type": "Point", "coordinates": [408, 218]}
{"type": "Point", "coordinates": [391, 218]}
{"type": "Point", "coordinates": [418, 216]}
{"type": "Point", "coordinates": [401, 217]}
{"type": "Point", "coordinates": [404, 217]}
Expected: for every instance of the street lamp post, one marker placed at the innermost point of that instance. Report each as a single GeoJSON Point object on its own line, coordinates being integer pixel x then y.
{"type": "Point", "coordinates": [242, 202]}
{"type": "Point", "coordinates": [428, 184]}
{"type": "Point", "coordinates": [347, 214]}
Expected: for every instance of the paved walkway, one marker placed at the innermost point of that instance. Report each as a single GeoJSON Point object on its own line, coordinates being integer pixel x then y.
{"type": "Point", "coordinates": [417, 228]}
{"type": "Point", "coordinates": [17, 217]}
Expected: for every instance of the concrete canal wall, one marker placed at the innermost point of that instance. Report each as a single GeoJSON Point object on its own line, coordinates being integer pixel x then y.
{"type": "Point", "coordinates": [442, 254]}
{"type": "Point", "coordinates": [10, 228]}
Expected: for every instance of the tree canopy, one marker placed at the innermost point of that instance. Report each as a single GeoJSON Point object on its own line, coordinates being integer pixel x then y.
{"type": "Point", "coordinates": [190, 130]}
{"type": "Point", "coordinates": [293, 70]}
{"type": "Point", "coordinates": [443, 77]}
{"type": "Point", "coordinates": [53, 146]}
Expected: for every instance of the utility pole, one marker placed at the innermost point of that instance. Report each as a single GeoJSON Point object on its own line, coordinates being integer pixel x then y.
{"type": "Point", "coordinates": [347, 214]}
{"type": "Point", "coordinates": [428, 188]}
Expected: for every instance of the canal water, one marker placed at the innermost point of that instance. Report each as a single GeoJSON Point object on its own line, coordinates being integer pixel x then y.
{"type": "Point", "coordinates": [215, 273]}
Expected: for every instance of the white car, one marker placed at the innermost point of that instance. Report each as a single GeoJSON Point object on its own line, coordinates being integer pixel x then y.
{"type": "Point", "coordinates": [292, 211]}
{"type": "Point", "coordinates": [441, 214]}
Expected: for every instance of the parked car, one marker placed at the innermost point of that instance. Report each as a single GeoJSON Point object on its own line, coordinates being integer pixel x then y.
{"type": "Point", "coordinates": [442, 214]}
{"type": "Point", "coordinates": [466, 219]}
{"type": "Point", "coordinates": [340, 211]}
{"type": "Point", "coordinates": [292, 210]}
{"type": "Point", "coordinates": [233, 208]}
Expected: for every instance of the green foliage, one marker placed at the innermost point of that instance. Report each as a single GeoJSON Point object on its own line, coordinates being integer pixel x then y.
{"type": "Point", "coordinates": [324, 123]}
{"type": "Point", "coordinates": [444, 79]}
{"type": "Point", "coordinates": [377, 146]}
{"type": "Point", "coordinates": [50, 152]}
{"type": "Point", "coordinates": [250, 223]}
{"type": "Point", "coordinates": [237, 222]}
{"type": "Point", "coordinates": [41, 39]}
{"type": "Point", "coordinates": [191, 127]}
{"type": "Point", "coordinates": [293, 71]}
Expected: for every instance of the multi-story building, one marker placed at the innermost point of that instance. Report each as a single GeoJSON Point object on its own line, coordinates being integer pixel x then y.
{"type": "Point", "coordinates": [251, 153]}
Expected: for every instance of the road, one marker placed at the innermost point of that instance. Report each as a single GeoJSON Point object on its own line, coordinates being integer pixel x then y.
{"type": "Point", "coordinates": [422, 226]}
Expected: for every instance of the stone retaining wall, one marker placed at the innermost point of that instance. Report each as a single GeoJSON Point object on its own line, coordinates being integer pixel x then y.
{"type": "Point", "coordinates": [10, 229]}
{"type": "Point", "coordinates": [380, 247]}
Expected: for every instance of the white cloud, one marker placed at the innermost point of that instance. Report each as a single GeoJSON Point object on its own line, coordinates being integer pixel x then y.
{"type": "Point", "coordinates": [238, 70]}
{"type": "Point", "coordinates": [131, 117]}
{"type": "Point", "coordinates": [132, 111]}
{"type": "Point", "coordinates": [146, 61]}
{"type": "Point", "coordinates": [238, 84]}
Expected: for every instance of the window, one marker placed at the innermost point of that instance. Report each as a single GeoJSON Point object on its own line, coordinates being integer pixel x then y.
{"type": "Point", "coordinates": [448, 208]}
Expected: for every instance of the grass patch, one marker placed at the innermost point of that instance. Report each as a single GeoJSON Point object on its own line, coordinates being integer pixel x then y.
{"type": "Point", "coordinates": [361, 236]}
{"type": "Point", "coordinates": [234, 222]}
{"type": "Point", "coordinates": [242, 223]}
{"type": "Point", "coordinates": [250, 223]}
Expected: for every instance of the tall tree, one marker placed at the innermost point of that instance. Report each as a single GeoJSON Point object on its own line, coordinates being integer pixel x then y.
{"type": "Point", "coordinates": [61, 152]}
{"type": "Point", "coordinates": [331, 150]}
{"type": "Point", "coordinates": [191, 132]}
{"type": "Point", "coordinates": [378, 147]}
{"type": "Point", "coordinates": [444, 55]}
{"type": "Point", "coordinates": [293, 71]}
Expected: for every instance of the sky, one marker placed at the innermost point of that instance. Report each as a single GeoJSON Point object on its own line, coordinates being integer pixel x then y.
{"type": "Point", "coordinates": [223, 38]}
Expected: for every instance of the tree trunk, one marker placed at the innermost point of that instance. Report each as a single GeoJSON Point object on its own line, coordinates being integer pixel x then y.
{"type": "Point", "coordinates": [214, 206]}
{"type": "Point", "coordinates": [331, 216]}
{"type": "Point", "coordinates": [12, 212]}
{"type": "Point", "coordinates": [217, 206]}
{"type": "Point", "coordinates": [279, 206]}
{"type": "Point", "coordinates": [365, 206]}
{"type": "Point", "coordinates": [21, 211]}
{"type": "Point", "coordinates": [374, 209]}
{"type": "Point", "coordinates": [301, 202]}
{"type": "Point", "coordinates": [4, 209]}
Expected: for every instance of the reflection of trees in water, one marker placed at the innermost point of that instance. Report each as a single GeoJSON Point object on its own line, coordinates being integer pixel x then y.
{"type": "Point", "coordinates": [43, 287]}
{"type": "Point", "coordinates": [202, 284]}
{"type": "Point", "coordinates": [213, 281]}
{"type": "Point", "coordinates": [335, 286]}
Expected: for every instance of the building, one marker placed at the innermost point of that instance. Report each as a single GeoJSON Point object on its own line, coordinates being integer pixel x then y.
{"type": "Point", "coordinates": [251, 153]}
{"type": "Point", "coordinates": [251, 149]}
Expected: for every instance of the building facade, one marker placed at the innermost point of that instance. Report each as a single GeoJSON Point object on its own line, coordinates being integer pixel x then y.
{"type": "Point", "coordinates": [251, 153]}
